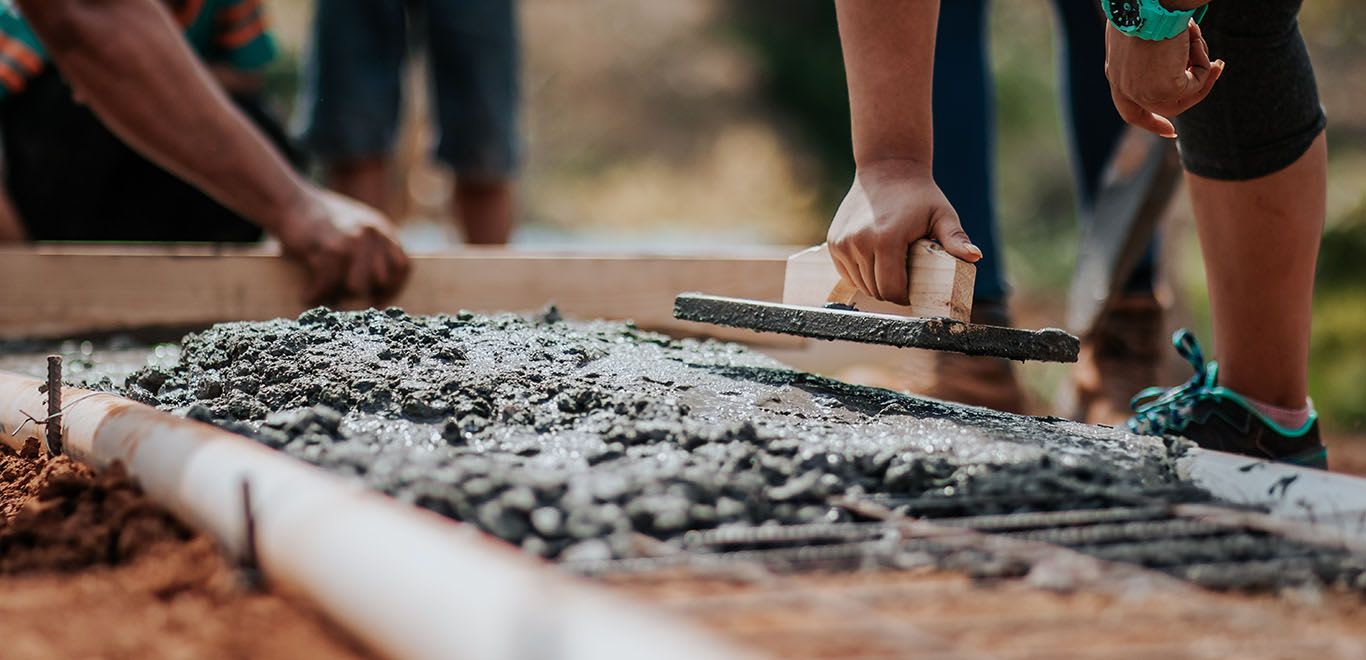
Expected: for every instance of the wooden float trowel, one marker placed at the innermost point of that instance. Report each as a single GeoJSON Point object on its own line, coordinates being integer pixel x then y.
{"type": "Point", "coordinates": [818, 303]}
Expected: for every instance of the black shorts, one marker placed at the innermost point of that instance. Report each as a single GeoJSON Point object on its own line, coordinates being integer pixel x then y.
{"type": "Point", "coordinates": [73, 180]}
{"type": "Point", "coordinates": [1264, 112]}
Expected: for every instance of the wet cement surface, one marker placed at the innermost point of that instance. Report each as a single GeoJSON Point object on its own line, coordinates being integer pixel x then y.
{"type": "Point", "coordinates": [574, 440]}
{"type": "Point", "coordinates": [568, 438]}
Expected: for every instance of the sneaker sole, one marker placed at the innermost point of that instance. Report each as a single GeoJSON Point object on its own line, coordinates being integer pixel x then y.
{"type": "Point", "coordinates": [1311, 458]}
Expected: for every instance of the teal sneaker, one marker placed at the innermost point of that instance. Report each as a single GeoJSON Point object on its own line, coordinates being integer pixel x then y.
{"type": "Point", "coordinates": [1218, 418]}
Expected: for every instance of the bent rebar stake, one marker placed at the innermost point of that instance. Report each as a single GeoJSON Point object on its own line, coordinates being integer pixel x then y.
{"type": "Point", "coordinates": [53, 423]}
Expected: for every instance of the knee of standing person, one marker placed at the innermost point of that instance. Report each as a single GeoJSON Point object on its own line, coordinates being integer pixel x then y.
{"type": "Point", "coordinates": [1237, 133]}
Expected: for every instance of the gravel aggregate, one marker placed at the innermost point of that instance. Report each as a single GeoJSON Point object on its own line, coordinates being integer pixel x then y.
{"type": "Point", "coordinates": [567, 438]}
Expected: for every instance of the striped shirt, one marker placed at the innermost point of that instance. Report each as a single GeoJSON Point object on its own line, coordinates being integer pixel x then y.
{"type": "Point", "coordinates": [231, 33]}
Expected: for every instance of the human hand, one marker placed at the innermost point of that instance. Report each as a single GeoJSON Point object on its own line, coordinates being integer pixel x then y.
{"type": "Point", "coordinates": [347, 247]}
{"type": "Point", "coordinates": [891, 205]}
{"type": "Point", "coordinates": [1153, 81]}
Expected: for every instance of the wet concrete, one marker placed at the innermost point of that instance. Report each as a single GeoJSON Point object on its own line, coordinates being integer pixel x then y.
{"type": "Point", "coordinates": [940, 334]}
{"type": "Point", "coordinates": [569, 438]}
{"type": "Point", "coordinates": [101, 363]}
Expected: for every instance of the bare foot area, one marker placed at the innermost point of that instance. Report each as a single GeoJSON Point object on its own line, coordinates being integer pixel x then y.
{"type": "Point", "coordinates": [89, 567]}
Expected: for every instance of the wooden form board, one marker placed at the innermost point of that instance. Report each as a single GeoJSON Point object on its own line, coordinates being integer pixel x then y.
{"type": "Point", "coordinates": [941, 285]}
{"type": "Point", "coordinates": [61, 290]}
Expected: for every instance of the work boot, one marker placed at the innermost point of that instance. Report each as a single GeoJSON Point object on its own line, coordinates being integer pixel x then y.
{"type": "Point", "coordinates": [1120, 357]}
{"type": "Point", "coordinates": [1218, 418]}
{"type": "Point", "coordinates": [977, 381]}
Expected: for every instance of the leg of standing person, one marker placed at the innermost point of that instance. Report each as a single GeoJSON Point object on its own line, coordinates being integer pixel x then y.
{"type": "Point", "coordinates": [474, 65]}
{"type": "Point", "coordinates": [351, 94]}
{"type": "Point", "coordinates": [1123, 353]}
{"type": "Point", "coordinates": [1260, 200]}
{"type": "Point", "coordinates": [965, 168]}
{"type": "Point", "coordinates": [965, 137]}
{"type": "Point", "coordinates": [1257, 172]}
{"type": "Point", "coordinates": [1260, 240]}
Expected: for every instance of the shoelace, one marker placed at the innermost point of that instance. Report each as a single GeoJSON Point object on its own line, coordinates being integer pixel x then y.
{"type": "Point", "coordinates": [1159, 410]}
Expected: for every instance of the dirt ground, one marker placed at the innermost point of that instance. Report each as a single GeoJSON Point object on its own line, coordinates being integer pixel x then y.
{"type": "Point", "coordinates": [885, 614]}
{"type": "Point", "coordinates": [1346, 453]}
{"type": "Point", "coordinates": [90, 568]}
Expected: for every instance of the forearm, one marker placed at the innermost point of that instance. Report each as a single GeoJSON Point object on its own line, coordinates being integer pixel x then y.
{"type": "Point", "coordinates": [128, 62]}
{"type": "Point", "coordinates": [237, 82]}
{"type": "Point", "coordinates": [889, 62]}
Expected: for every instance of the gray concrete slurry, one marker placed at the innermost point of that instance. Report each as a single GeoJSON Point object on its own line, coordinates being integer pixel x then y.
{"type": "Point", "coordinates": [567, 438]}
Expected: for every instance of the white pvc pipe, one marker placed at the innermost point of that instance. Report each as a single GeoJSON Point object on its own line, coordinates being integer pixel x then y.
{"type": "Point", "coordinates": [408, 582]}
{"type": "Point", "coordinates": [1333, 503]}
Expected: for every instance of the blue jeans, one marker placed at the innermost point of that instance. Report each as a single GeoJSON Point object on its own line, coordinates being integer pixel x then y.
{"type": "Point", "coordinates": [352, 80]}
{"type": "Point", "coordinates": [964, 116]}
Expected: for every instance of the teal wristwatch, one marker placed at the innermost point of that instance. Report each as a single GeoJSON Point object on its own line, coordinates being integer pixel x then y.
{"type": "Point", "coordinates": [1148, 19]}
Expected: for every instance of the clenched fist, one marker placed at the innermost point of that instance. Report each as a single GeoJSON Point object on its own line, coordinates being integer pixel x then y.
{"type": "Point", "coordinates": [1153, 81]}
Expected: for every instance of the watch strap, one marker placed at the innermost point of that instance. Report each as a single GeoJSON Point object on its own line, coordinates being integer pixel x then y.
{"type": "Point", "coordinates": [1161, 24]}
{"type": "Point", "coordinates": [1149, 20]}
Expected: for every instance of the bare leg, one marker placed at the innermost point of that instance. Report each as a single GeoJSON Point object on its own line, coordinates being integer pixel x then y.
{"type": "Point", "coordinates": [485, 210]}
{"type": "Point", "coordinates": [1260, 239]}
{"type": "Point", "coordinates": [365, 180]}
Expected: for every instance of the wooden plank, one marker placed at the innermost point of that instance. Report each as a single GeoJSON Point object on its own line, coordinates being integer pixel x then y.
{"type": "Point", "coordinates": [58, 290]}
{"type": "Point", "coordinates": [941, 284]}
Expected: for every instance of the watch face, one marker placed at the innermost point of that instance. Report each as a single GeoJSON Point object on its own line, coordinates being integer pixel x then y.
{"type": "Point", "coordinates": [1125, 15]}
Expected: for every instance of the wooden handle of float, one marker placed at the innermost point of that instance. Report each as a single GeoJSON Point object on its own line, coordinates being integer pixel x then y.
{"type": "Point", "coordinates": [940, 285]}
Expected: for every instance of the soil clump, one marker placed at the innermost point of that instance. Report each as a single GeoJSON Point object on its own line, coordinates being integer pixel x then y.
{"type": "Point", "coordinates": [73, 519]}
{"type": "Point", "coordinates": [90, 567]}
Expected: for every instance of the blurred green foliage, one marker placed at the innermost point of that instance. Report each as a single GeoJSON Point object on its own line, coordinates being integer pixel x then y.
{"type": "Point", "coordinates": [796, 46]}
{"type": "Point", "coordinates": [1338, 351]}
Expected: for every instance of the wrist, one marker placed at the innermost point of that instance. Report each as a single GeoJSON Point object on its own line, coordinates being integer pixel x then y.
{"type": "Point", "coordinates": [898, 167]}
{"type": "Point", "coordinates": [296, 218]}
{"type": "Point", "coordinates": [1152, 20]}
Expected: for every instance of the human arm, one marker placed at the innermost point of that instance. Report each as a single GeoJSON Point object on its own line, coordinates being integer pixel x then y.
{"type": "Point", "coordinates": [1154, 81]}
{"type": "Point", "coordinates": [128, 62]}
{"type": "Point", "coordinates": [236, 81]}
{"type": "Point", "coordinates": [888, 59]}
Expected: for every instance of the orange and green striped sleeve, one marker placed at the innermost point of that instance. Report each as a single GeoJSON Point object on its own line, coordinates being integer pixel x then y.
{"type": "Point", "coordinates": [22, 58]}
{"type": "Point", "coordinates": [241, 34]}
